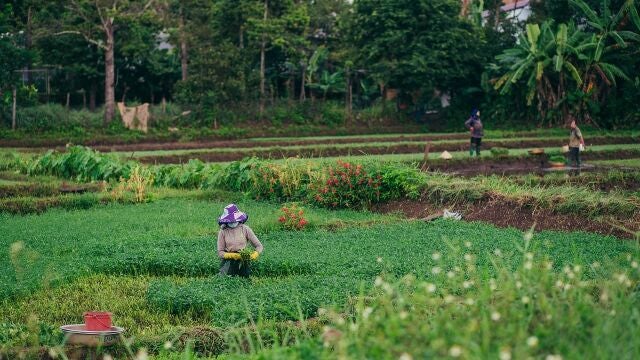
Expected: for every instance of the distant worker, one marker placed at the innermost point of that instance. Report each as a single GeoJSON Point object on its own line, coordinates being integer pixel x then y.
{"type": "Point", "coordinates": [576, 143]}
{"type": "Point", "coordinates": [234, 237]}
{"type": "Point", "coordinates": [474, 124]}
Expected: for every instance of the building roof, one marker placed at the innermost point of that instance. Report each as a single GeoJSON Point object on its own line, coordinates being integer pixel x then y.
{"type": "Point", "coordinates": [514, 5]}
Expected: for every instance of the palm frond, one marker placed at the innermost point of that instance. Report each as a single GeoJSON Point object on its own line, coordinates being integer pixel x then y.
{"type": "Point", "coordinates": [633, 13]}
{"type": "Point", "coordinates": [574, 72]}
{"type": "Point", "coordinates": [629, 35]}
{"type": "Point", "coordinates": [586, 10]}
{"type": "Point", "coordinates": [533, 33]}
{"type": "Point", "coordinates": [619, 40]}
{"type": "Point", "coordinates": [616, 71]}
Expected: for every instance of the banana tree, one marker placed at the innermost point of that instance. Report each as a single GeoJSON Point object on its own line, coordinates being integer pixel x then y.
{"type": "Point", "coordinates": [329, 83]}
{"type": "Point", "coordinates": [609, 35]}
{"type": "Point", "coordinates": [311, 67]}
{"type": "Point", "coordinates": [546, 61]}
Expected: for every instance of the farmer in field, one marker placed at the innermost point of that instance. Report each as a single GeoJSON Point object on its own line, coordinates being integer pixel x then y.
{"type": "Point", "coordinates": [474, 124]}
{"type": "Point", "coordinates": [576, 141]}
{"type": "Point", "coordinates": [233, 239]}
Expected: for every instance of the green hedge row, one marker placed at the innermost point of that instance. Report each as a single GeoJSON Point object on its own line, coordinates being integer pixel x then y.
{"type": "Point", "coordinates": [343, 185]}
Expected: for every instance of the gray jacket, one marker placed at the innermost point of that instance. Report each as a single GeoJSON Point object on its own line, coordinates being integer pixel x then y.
{"type": "Point", "coordinates": [478, 129]}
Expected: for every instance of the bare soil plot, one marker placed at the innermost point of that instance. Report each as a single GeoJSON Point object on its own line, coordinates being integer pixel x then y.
{"type": "Point", "coordinates": [325, 151]}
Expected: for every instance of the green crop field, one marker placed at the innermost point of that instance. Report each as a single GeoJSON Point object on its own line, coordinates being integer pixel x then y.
{"type": "Point", "coordinates": [140, 242]}
{"type": "Point", "coordinates": [154, 266]}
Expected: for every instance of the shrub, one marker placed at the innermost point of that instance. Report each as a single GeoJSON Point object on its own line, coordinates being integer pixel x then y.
{"type": "Point", "coordinates": [332, 114]}
{"type": "Point", "coordinates": [56, 117]}
{"type": "Point", "coordinates": [292, 218]}
{"type": "Point", "coordinates": [347, 185]}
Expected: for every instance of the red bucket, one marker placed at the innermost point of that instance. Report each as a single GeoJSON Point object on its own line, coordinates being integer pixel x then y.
{"type": "Point", "coordinates": [97, 320]}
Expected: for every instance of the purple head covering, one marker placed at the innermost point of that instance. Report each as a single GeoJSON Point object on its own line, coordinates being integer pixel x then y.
{"type": "Point", "coordinates": [232, 214]}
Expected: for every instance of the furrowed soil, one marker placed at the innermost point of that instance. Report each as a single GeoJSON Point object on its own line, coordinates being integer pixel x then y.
{"type": "Point", "coordinates": [522, 164]}
{"type": "Point", "coordinates": [222, 156]}
{"type": "Point", "coordinates": [505, 213]}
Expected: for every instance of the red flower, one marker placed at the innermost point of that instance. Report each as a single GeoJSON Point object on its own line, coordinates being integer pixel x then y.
{"type": "Point", "coordinates": [282, 219]}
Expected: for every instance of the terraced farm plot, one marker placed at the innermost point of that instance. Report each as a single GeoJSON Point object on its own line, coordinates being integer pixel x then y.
{"type": "Point", "coordinates": [154, 266]}
{"type": "Point", "coordinates": [227, 153]}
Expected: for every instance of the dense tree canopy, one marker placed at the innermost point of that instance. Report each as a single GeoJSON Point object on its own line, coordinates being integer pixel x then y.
{"type": "Point", "coordinates": [231, 59]}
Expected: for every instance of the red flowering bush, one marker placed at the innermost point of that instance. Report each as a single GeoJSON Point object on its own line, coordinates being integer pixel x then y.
{"type": "Point", "coordinates": [292, 218]}
{"type": "Point", "coordinates": [347, 185]}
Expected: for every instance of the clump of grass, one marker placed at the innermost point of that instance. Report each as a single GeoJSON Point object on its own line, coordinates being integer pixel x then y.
{"type": "Point", "coordinates": [499, 152]}
{"type": "Point", "coordinates": [135, 186]}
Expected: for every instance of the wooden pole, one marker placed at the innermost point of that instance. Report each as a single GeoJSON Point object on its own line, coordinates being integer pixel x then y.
{"type": "Point", "coordinates": [425, 161]}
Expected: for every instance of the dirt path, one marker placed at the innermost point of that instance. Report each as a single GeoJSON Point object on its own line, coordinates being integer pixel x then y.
{"type": "Point", "coordinates": [221, 156]}
{"type": "Point", "coordinates": [508, 213]}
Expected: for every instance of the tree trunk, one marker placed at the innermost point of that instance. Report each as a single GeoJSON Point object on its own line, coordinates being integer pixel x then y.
{"type": "Point", "coordinates": [350, 100]}
{"type": "Point", "coordinates": [68, 100]}
{"type": "Point", "coordinates": [92, 97]}
{"type": "Point", "coordinates": [383, 94]}
{"type": "Point", "coordinates": [124, 93]}
{"type": "Point", "coordinates": [28, 42]}
{"type": "Point", "coordinates": [241, 38]}
{"type": "Point", "coordinates": [263, 46]}
{"type": "Point", "coordinates": [84, 99]}
{"type": "Point", "coordinates": [14, 94]}
{"type": "Point", "coordinates": [184, 55]}
{"type": "Point", "coordinates": [109, 75]}
{"type": "Point", "coordinates": [302, 84]}
{"type": "Point", "coordinates": [164, 105]}
{"type": "Point", "coordinates": [348, 94]}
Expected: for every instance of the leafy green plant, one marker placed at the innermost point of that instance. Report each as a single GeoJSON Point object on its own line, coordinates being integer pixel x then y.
{"type": "Point", "coordinates": [80, 163]}
{"type": "Point", "coordinates": [557, 159]}
{"type": "Point", "coordinates": [499, 152]}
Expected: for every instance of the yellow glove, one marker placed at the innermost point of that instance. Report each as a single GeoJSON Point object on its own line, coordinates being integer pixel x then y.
{"type": "Point", "coordinates": [254, 255]}
{"type": "Point", "coordinates": [231, 256]}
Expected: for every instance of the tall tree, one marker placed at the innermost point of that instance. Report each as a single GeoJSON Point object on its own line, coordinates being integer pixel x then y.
{"type": "Point", "coordinates": [13, 56]}
{"type": "Point", "coordinates": [416, 46]}
{"type": "Point", "coordinates": [97, 22]}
